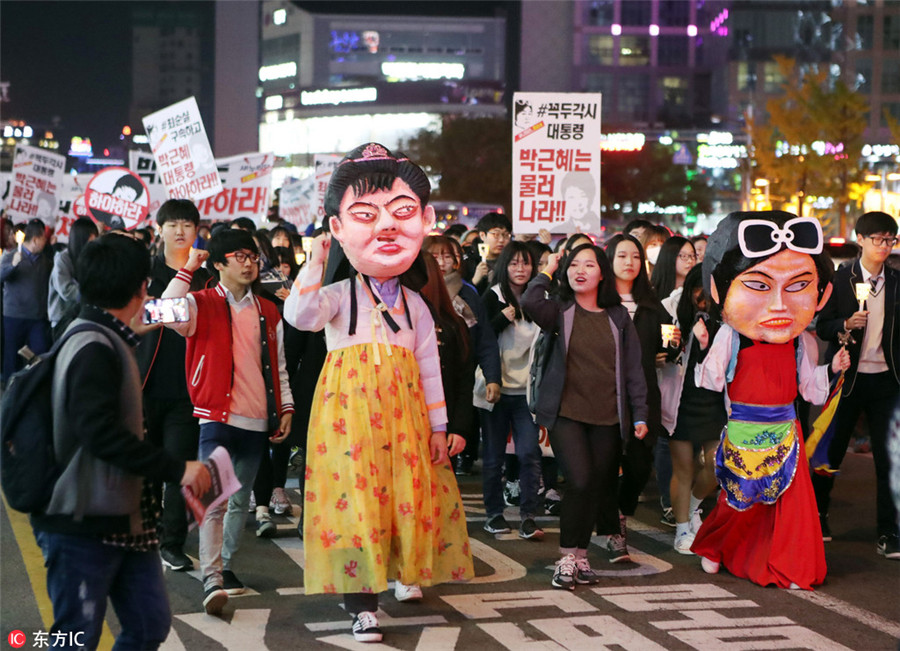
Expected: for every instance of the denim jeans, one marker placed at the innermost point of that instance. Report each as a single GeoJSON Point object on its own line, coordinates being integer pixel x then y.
{"type": "Point", "coordinates": [220, 533]}
{"type": "Point", "coordinates": [35, 333]}
{"type": "Point", "coordinates": [510, 411]}
{"type": "Point", "coordinates": [82, 572]}
{"type": "Point", "coordinates": [662, 459]}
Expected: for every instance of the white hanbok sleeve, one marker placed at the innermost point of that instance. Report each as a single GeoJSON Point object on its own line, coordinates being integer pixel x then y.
{"type": "Point", "coordinates": [711, 372]}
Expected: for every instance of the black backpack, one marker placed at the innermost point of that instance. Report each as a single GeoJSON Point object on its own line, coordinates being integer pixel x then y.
{"type": "Point", "coordinates": [540, 356]}
{"type": "Point", "coordinates": [28, 466]}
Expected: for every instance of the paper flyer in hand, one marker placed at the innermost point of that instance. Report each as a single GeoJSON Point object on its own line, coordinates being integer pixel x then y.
{"type": "Point", "coordinates": [223, 485]}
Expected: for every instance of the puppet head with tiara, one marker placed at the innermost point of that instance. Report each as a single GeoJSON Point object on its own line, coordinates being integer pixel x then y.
{"type": "Point", "coordinates": [376, 208]}
{"type": "Point", "coordinates": [768, 272]}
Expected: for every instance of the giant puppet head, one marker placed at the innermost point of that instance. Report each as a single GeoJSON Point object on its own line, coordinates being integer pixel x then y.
{"type": "Point", "coordinates": [768, 272]}
{"type": "Point", "coordinates": [376, 207]}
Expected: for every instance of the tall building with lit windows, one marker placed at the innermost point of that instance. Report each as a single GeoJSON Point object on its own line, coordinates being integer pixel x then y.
{"type": "Point", "coordinates": [330, 81]}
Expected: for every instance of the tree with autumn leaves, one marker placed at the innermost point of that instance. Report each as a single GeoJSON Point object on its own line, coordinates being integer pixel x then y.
{"type": "Point", "coordinates": [813, 108]}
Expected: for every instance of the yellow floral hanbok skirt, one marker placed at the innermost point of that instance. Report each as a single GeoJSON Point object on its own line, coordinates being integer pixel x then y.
{"type": "Point", "coordinates": [375, 506]}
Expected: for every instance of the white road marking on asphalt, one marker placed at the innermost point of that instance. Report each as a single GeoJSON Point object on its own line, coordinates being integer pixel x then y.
{"type": "Point", "coordinates": [712, 619]}
{"type": "Point", "coordinates": [568, 634]}
{"type": "Point", "coordinates": [246, 629]}
{"type": "Point", "coordinates": [849, 610]}
{"type": "Point", "coordinates": [776, 637]}
{"type": "Point", "coordinates": [702, 596]}
{"type": "Point", "coordinates": [431, 639]}
{"type": "Point", "coordinates": [483, 606]}
{"type": "Point", "coordinates": [383, 620]}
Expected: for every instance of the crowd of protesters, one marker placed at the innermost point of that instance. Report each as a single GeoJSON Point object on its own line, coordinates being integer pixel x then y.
{"type": "Point", "coordinates": [622, 332]}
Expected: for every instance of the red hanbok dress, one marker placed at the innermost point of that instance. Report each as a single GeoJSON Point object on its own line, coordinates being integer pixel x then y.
{"type": "Point", "coordinates": [779, 542]}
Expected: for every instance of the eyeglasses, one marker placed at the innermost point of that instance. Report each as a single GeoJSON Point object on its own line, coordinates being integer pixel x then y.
{"type": "Point", "coordinates": [499, 234]}
{"type": "Point", "coordinates": [687, 257]}
{"type": "Point", "coordinates": [877, 240]}
{"type": "Point", "coordinates": [243, 256]}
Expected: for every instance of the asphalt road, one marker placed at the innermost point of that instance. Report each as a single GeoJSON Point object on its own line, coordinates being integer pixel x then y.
{"type": "Point", "coordinates": [661, 601]}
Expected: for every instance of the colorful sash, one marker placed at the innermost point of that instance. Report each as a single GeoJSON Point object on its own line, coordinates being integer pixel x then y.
{"type": "Point", "coordinates": [758, 454]}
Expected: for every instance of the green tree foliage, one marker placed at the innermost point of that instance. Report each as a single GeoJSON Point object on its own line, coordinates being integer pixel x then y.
{"type": "Point", "coordinates": [649, 175]}
{"type": "Point", "coordinates": [811, 108]}
{"type": "Point", "coordinates": [471, 156]}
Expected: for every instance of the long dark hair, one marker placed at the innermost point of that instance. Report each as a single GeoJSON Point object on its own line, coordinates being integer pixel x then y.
{"type": "Point", "coordinates": [641, 290]}
{"type": "Point", "coordinates": [80, 233]}
{"type": "Point", "coordinates": [606, 290]}
{"type": "Point", "coordinates": [664, 279]}
{"type": "Point", "coordinates": [687, 307]}
{"type": "Point", "coordinates": [501, 272]}
{"type": "Point", "coordinates": [438, 299]}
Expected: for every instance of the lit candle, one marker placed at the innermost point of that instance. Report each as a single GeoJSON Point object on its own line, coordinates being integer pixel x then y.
{"type": "Point", "coordinates": [307, 243]}
{"type": "Point", "coordinates": [862, 293]}
{"type": "Point", "coordinates": [668, 333]}
{"type": "Point", "coordinates": [299, 258]}
{"type": "Point", "coordinates": [20, 239]}
{"type": "Point", "coordinates": [483, 249]}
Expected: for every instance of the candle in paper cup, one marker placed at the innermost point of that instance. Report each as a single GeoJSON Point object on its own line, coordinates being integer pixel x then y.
{"type": "Point", "coordinates": [20, 238]}
{"type": "Point", "coordinates": [299, 258]}
{"type": "Point", "coordinates": [862, 293]}
{"type": "Point", "coordinates": [306, 243]}
{"type": "Point", "coordinates": [483, 249]}
{"type": "Point", "coordinates": [668, 333]}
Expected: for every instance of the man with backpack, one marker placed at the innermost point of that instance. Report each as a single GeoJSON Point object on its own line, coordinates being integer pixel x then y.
{"type": "Point", "coordinates": [98, 532]}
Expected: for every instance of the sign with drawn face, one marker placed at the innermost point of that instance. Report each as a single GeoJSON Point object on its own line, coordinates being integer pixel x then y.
{"type": "Point", "coordinates": [118, 198]}
{"type": "Point", "coordinates": [556, 162]}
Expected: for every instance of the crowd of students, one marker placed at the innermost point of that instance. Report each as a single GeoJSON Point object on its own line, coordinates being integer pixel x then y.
{"type": "Point", "coordinates": [626, 385]}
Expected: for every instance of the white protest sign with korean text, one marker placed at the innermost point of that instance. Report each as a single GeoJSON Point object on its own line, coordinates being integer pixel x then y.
{"type": "Point", "coordinates": [556, 162]}
{"type": "Point", "coordinates": [184, 158]}
{"type": "Point", "coordinates": [324, 166]}
{"type": "Point", "coordinates": [117, 197]}
{"type": "Point", "coordinates": [143, 164]}
{"type": "Point", "coordinates": [36, 177]}
{"type": "Point", "coordinates": [298, 201]}
{"type": "Point", "coordinates": [70, 189]}
{"type": "Point", "coordinates": [247, 181]}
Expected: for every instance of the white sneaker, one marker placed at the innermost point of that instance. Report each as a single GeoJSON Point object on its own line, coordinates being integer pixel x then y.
{"type": "Point", "coordinates": [280, 504]}
{"type": "Point", "coordinates": [683, 543]}
{"type": "Point", "coordinates": [696, 521]}
{"type": "Point", "coordinates": [365, 627]}
{"type": "Point", "coordinates": [407, 592]}
{"type": "Point", "coordinates": [710, 567]}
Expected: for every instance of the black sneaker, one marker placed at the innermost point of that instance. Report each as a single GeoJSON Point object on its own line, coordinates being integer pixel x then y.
{"type": "Point", "coordinates": [617, 549]}
{"type": "Point", "coordinates": [511, 493]}
{"type": "Point", "coordinates": [265, 528]}
{"type": "Point", "coordinates": [668, 517]}
{"type": "Point", "coordinates": [529, 530]}
{"type": "Point", "coordinates": [214, 600]}
{"type": "Point", "coordinates": [584, 575]}
{"type": "Point", "coordinates": [463, 465]}
{"type": "Point", "coordinates": [231, 583]}
{"type": "Point", "coordinates": [365, 627]}
{"type": "Point", "coordinates": [564, 574]}
{"type": "Point", "coordinates": [497, 524]}
{"type": "Point", "coordinates": [552, 502]}
{"type": "Point", "coordinates": [176, 560]}
{"type": "Point", "coordinates": [889, 546]}
{"type": "Point", "coordinates": [826, 530]}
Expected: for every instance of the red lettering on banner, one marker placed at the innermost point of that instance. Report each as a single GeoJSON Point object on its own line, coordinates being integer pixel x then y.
{"type": "Point", "coordinates": [542, 211]}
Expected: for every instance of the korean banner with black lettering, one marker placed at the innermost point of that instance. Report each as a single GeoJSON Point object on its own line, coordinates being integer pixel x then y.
{"type": "Point", "coordinates": [247, 189]}
{"type": "Point", "coordinates": [556, 162]}
{"type": "Point", "coordinates": [180, 145]}
{"type": "Point", "coordinates": [36, 177]}
{"type": "Point", "coordinates": [143, 164]}
{"type": "Point", "coordinates": [298, 201]}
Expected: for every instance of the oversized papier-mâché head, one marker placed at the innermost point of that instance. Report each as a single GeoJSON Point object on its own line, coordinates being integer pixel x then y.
{"type": "Point", "coordinates": [376, 204]}
{"type": "Point", "coordinates": [768, 272]}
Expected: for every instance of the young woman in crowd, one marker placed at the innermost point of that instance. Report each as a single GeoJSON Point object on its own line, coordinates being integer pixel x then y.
{"type": "Point", "coordinates": [63, 298]}
{"type": "Point", "coordinates": [592, 397]}
{"type": "Point", "coordinates": [698, 417]}
{"type": "Point", "coordinates": [769, 274]}
{"type": "Point", "coordinates": [515, 335]}
{"type": "Point", "coordinates": [633, 287]}
{"type": "Point", "coordinates": [676, 257]}
{"type": "Point", "coordinates": [467, 303]}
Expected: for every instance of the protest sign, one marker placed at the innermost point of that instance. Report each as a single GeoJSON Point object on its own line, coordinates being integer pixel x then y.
{"type": "Point", "coordinates": [247, 181]}
{"type": "Point", "coordinates": [181, 148]}
{"type": "Point", "coordinates": [556, 162]}
{"type": "Point", "coordinates": [36, 176]}
{"type": "Point", "coordinates": [117, 197]}
{"type": "Point", "coordinates": [71, 188]}
{"type": "Point", "coordinates": [324, 168]}
{"type": "Point", "coordinates": [298, 201]}
{"type": "Point", "coordinates": [143, 164]}
{"type": "Point", "coordinates": [224, 484]}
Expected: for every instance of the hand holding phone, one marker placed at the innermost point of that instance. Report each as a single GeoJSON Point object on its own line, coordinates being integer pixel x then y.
{"type": "Point", "coordinates": [166, 310]}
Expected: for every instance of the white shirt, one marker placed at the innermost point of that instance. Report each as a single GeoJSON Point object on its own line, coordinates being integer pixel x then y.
{"type": "Point", "coordinates": [871, 355]}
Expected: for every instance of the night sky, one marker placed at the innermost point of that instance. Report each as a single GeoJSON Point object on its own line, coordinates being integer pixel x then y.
{"type": "Point", "coordinates": [70, 62]}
